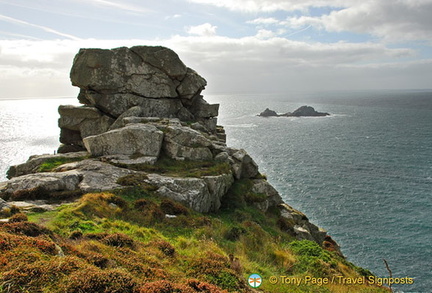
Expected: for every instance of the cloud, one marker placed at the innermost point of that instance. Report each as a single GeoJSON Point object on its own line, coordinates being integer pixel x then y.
{"type": "Point", "coordinates": [273, 5]}
{"type": "Point", "coordinates": [173, 16]}
{"type": "Point", "coordinates": [41, 68]}
{"type": "Point", "coordinates": [395, 21]}
{"type": "Point", "coordinates": [117, 5]}
{"type": "Point", "coordinates": [398, 20]}
{"type": "Point", "coordinates": [205, 29]}
{"type": "Point", "coordinates": [264, 21]}
{"type": "Point", "coordinates": [47, 29]}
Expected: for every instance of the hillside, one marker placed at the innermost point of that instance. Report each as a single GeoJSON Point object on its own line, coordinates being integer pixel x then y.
{"type": "Point", "coordinates": [123, 241]}
{"type": "Point", "coordinates": [144, 195]}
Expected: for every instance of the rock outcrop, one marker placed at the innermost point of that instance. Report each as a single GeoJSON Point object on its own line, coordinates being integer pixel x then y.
{"type": "Point", "coordinates": [143, 108]}
{"type": "Point", "coordinates": [141, 81]}
{"type": "Point", "coordinates": [303, 111]}
{"type": "Point", "coordinates": [268, 113]}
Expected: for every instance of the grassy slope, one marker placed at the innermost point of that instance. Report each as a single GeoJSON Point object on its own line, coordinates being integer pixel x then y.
{"type": "Point", "coordinates": [121, 241]}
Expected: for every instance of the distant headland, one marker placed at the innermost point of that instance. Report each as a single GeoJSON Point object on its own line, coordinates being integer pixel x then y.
{"type": "Point", "coordinates": [303, 111]}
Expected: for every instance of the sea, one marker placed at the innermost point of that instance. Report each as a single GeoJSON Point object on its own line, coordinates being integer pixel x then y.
{"type": "Point", "coordinates": [364, 173]}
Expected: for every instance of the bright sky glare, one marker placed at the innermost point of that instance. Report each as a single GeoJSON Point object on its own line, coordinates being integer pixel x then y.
{"type": "Point", "coordinates": [238, 46]}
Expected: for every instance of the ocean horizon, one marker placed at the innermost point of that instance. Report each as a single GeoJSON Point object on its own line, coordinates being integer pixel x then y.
{"type": "Point", "coordinates": [364, 173]}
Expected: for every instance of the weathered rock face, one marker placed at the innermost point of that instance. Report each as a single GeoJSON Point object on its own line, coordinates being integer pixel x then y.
{"type": "Point", "coordinates": [34, 163]}
{"type": "Point", "coordinates": [272, 197]}
{"type": "Point", "coordinates": [133, 139]}
{"type": "Point", "coordinates": [141, 104]}
{"type": "Point", "coordinates": [201, 194]}
{"type": "Point", "coordinates": [32, 185]}
{"type": "Point", "coordinates": [244, 166]}
{"type": "Point", "coordinates": [139, 81]}
{"type": "Point", "coordinates": [125, 70]}
{"type": "Point", "coordinates": [186, 143]}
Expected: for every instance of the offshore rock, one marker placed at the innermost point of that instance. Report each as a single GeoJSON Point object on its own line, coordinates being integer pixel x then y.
{"type": "Point", "coordinates": [268, 113]}
{"type": "Point", "coordinates": [305, 111]}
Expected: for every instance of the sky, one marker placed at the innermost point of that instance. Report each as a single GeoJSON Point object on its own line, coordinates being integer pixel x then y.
{"type": "Point", "coordinates": [241, 46]}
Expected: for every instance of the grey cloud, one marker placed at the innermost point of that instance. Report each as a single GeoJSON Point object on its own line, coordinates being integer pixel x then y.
{"type": "Point", "coordinates": [394, 21]}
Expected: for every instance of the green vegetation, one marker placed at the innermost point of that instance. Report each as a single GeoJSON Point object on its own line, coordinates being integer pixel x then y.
{"type": "Point", "coordinates": [50, 164]}
{"type": "Point", "coordinates": [121, 241]}
{"type": "Point", "coordinates": [40, 192]}
{"type": "Point", "coordinates": [186, 168]}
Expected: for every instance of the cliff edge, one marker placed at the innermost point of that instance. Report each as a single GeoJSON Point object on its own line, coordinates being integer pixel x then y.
{"type": "Point", "coordinates": [143, 107]}
{"type": "Point", "coordinates": [142, 164]}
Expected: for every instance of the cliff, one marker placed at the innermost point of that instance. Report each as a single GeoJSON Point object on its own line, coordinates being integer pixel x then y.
{"type": "Point", "coordinates": [148, 196]}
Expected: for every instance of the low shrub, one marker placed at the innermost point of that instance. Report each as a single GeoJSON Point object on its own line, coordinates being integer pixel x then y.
{"type": "Point", "coordinates": [312, 258]}
{"type": "Point", "coordinates": [20, 217]}
{"type": "Point", "coordinates": [94, 280]}
{"type": "Point", "coordinates": [95, 258]}
{"type": "Point", "coordinates": [212, 264]}
{"type": "Point", "coordinates": [234, 233]}
{"type": "Point", "coordinates": [164, 286]}
{"type": "Point", "coordinates": [11, 241]}
{"type": "Point", "coordinates": [26, 228]}
{"type": "Point", "coordinates": [137, 180]}
{"type": "Point", "coordinates": [118, 240]}
{"type": "Point", "coordinates": [143, 204]}
{"type": "Point", "coordinates": [204, 287]}
{"type": "Point", "coordinates": [34, 277]}
{"type": "Point", "coordinates": [165, 247]}
{"type": "Point", "coordinates": [77, 234]}
{"type": "Point", "coordinates": [118, 201]}
{"type": "Point", "coordinates": [171, 207]}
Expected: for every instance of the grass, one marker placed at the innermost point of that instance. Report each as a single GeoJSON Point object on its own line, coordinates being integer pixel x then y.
{"type": "Point", "coordinates": [185, 168]}
{"type": "Point", "coordinates": [50, 164]}
{"type": "Point", "coordinates": [121, 241]}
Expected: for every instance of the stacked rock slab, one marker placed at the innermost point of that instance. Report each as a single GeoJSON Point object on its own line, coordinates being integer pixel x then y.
{"type": "Point", "coordinates": [141, 81]}
{"type": "Point", "coordinates": [140, 104]}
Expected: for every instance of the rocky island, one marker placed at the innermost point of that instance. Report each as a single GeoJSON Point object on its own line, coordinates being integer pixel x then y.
{"type": "Point", "coordinates": [303, 111]}
{"type": "Point", "coordinates": [144, 195]}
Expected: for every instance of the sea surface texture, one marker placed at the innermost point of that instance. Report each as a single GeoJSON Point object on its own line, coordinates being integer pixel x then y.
{"type": "Point", "coordinates": [364, 173]}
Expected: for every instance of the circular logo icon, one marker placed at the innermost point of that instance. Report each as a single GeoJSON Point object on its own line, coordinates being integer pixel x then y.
{"type": "Point", "coordinates": [255, 280]}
